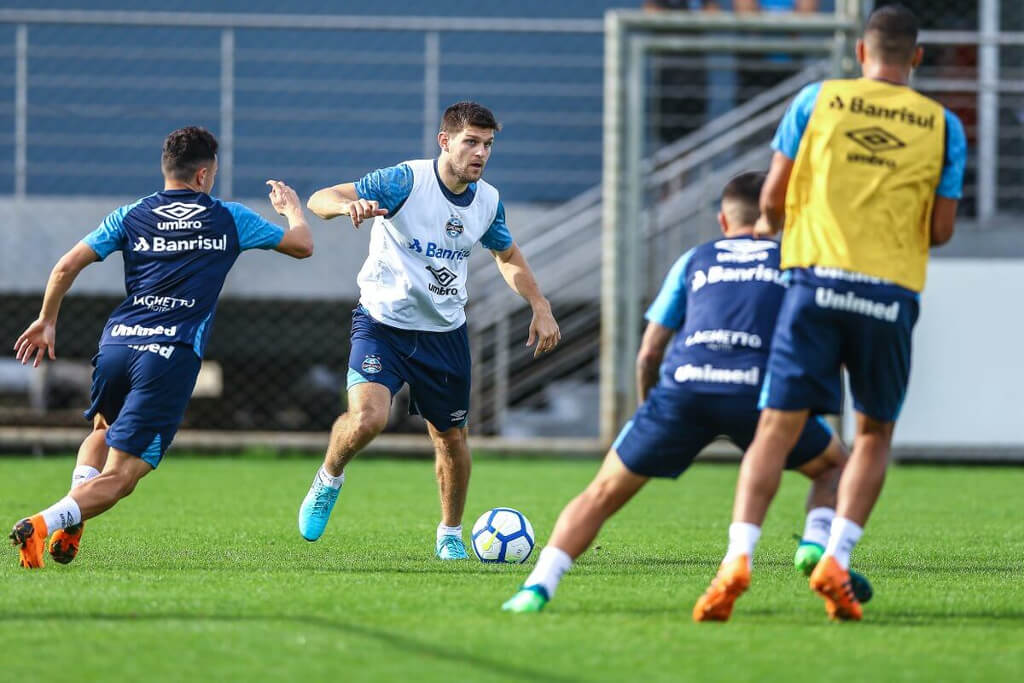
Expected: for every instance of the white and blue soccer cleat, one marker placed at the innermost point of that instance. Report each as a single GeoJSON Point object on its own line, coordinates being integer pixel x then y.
{"type": "Point", "coordinates": [316, 509]}
{"type": "Point", "coordinates": [451, 548]}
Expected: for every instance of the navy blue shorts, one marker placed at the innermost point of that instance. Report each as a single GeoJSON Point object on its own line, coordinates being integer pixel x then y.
{"type": "Point", "coordinates": [142, 392]}
{"type": "Point", "coordinates": [826, 323]}
{"type": "Point", "coordinates": [435, 365]}
{"type": "Point", "coordinates": [674, 425]}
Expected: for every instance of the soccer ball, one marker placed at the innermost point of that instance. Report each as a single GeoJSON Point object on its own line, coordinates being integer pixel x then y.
{"type": "Point", "coordinates": [503, 535]}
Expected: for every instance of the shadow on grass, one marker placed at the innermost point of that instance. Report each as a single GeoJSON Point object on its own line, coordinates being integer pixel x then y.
{"type": "Point", "coordinates": [398, 641]}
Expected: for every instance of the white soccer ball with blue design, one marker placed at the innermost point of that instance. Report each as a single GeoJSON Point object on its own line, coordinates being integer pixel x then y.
{"type": "Point", "coordinates": [503, 535]}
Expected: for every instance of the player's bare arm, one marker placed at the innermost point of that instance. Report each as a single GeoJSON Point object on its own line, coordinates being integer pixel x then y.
{"type": "Point", "coordinates": [343, 200]}
{"type": "Point", "coordinates": [298, 239]}
{"type": "Point", "coordinates": [773, 197]}
{"type": "Point", "coordinates": [41, 336]}
{"type": "Point", "coordinates": [543, 328]}
{"type": "Point", "coordinates": [943, 218]}
{"type": "Point", "coordinates": [648, 359]}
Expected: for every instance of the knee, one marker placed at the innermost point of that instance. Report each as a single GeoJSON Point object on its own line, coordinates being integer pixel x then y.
{"type": "Point", "coordinates": [369, 420]}
{"type": "Point", "coordinates": [450, 443]}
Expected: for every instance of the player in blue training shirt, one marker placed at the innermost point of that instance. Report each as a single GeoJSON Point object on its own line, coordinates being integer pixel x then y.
{"type": "Point", "coordinates": [410, 327]}
{"type": "Point", "coordinates": [178, 246]}
{"type": "Point", "coordinates": [720, 301]}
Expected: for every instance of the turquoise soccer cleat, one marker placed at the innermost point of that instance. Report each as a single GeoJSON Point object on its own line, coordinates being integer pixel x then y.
{"type": "Point", "coordinates": [451, 548]}
{"type": "Point", "coordinates": [808, 555]}
{"type": "Point", "coordinates": [316, 509]}
{"type": "Point", "coordinates": [528, 599]}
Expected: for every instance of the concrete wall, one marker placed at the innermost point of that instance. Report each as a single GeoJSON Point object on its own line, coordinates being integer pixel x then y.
{"type": "Point", "coordinates": [967, 379]}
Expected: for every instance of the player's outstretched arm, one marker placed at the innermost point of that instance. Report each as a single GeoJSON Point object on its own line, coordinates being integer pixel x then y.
{"type": "Point", "coordinates": [343, 200]}
{"type": "Point", "coordinates": [41, 336]}
{"type": "Point", "coordinates": [543, 328]}
{"type": "Point", "coordinates": [648, 358]}
{"type": "Point", "coordinates": [298, 239]}
{"type": "Point", "coordinates": [773, 196]}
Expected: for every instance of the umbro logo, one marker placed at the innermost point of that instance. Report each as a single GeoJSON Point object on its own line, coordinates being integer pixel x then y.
{"type": "Point", "coordinates": [179, 211]}
{"type": "Point", "coordinates": [875, 139]}
{"type": "Point", "coordinates": [443, 276]}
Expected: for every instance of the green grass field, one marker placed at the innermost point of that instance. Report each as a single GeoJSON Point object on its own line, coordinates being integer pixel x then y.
{"type": "Point", "coordinates": [201, 574]}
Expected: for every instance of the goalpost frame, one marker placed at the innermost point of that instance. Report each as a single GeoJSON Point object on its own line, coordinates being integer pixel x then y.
{"type": "Point", "coordinates": [630, 36]}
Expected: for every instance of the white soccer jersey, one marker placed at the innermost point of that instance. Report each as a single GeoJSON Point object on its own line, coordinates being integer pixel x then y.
{"type": "Point", "coordinates": [414, 277]}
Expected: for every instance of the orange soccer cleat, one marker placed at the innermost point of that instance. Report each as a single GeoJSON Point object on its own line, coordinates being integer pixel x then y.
{"type": "Point", "coordinates": [64, 543]}
{"type": "Point", "coordinates": [832, 583]}
{"type": "Point", "coordinates": [30, 535]}
{"type": "Point", "coordinates": [732, 579]}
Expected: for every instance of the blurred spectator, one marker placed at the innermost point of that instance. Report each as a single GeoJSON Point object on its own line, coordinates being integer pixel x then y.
{"type": "Point", "coordinates": [756, 72]}
{"type": "Point", "coordinates": [682, 80]}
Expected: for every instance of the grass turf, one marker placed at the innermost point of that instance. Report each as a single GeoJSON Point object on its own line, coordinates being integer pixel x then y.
{"type": "Point", "coordinates": [201, 574]}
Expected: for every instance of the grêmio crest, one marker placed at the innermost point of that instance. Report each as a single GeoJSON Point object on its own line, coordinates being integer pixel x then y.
{"type": "Point", "coordinates": [453, 228]}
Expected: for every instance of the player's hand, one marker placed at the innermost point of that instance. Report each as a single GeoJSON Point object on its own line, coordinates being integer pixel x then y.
{"type": "Point", "coordinates": [543, 331]}
{"type": "Point", "coordinates": [762, 228]}
{"type": "Point", "coordinates": [363, 209]}
{"type": "Point", "coordinates": [39, 338]}
{"type": "Point", "coordinates": [283, 198]}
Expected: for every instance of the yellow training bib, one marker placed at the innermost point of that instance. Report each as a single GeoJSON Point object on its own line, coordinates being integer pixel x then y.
{"type": "Point", "coordinates": [863, 183]}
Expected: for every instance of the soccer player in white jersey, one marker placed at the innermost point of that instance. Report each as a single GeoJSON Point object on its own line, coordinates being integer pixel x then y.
{"type": "Point", "coordinates": [410, 326]}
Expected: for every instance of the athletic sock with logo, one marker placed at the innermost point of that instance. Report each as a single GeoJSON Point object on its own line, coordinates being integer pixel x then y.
{"type": "Point", "coordinates": [551, 564]}
{"type": "Point", "coordinates": [818, 525]}
{"type": "Point", "coordinates": [328, 479]}
{"type": "Point", "coordinates": [443, 531]}
{"type": "Point", "coordinates": [82, 474]}
{"type": "Point", "coordinates": [842, 540]}
{"type": "Point", "coordinates": [743, 539]}
{"type": "Point", "coordinates": [62, 514]}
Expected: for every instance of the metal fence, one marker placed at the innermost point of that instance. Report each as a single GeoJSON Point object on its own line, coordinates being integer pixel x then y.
{"type": "Point", "coordinates": [93, 93]}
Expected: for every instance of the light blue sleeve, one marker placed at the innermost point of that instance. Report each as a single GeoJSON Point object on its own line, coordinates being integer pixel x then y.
{"type": "Point", "coordinates": [951, 182]}
{"type": "Point", "coordinates": [794, 122]}
{"type": "Point", "coordinates": [254, 231]}
{"type": "Point", "coordinates": [669, 308]}
{"type": "Point", "coordinates": [110, 235]}
{"type": "Point", "coordinates": [389, 187]}
{"type": "Point", "coordinates": [497, 237]}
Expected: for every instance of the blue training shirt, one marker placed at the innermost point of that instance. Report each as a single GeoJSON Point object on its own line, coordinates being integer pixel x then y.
{"type": "Point", "coordinates": [723, 298]}
{"type": "Point", "coordinates": [178, 247]}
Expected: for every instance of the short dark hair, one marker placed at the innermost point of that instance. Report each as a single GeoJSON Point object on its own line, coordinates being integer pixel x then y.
{"type": "Point", "coordinates": [185, 150]}
{"type": "Point", "coordinates": [741, 197]}
{"type": "Point", "coordinates": [462, 115]}
{"type": "Point", "coordinates": [891, 34]}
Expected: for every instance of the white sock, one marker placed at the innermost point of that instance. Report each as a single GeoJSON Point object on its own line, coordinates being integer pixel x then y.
{"type": "Point", "coordinates": [328, 479]}
{"type": "Point", "coordinates": [818, 525]}
{"type": "Point", "coordinates": [62, 514]}
{"type": "Point", "coordinates": [842, 540]}
{"type": "Point", "coordinates": [742, 540]}
{"type": "Point", "coordinates": [443, 531]}
{"type": "Point", "coordinates": [551, 564]}
{"type": "Point", "coordinates": [82, 474]}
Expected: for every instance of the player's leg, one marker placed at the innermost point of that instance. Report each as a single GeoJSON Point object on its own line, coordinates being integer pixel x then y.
{"type": "Point", "coordinates": [662, 440]}
{"type": "Point", "coordinates": [820, 456]}
{"type": "Point", "coordinates": [803, 375]}
{"type": "Point", "coordinates": [92, 456]}
{"type": "Point", "coordinates": [118, 479]}
{"type": "Point", "coordinates": [375, 373]}
{"type": "Point", "coordinates": [877, 356]}
{"type": "Point", "coordinates": [367, 415]}
{"type": "Point", "coordinates": [439, 372]}
{"type": "Point", "coordinates": [576, 528]}
{"type": "Point", "coordinates": [452, 465]}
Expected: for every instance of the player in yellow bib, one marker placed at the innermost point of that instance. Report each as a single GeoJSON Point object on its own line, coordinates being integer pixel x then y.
{"type": "Point", "coordinates": [865, 179]}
